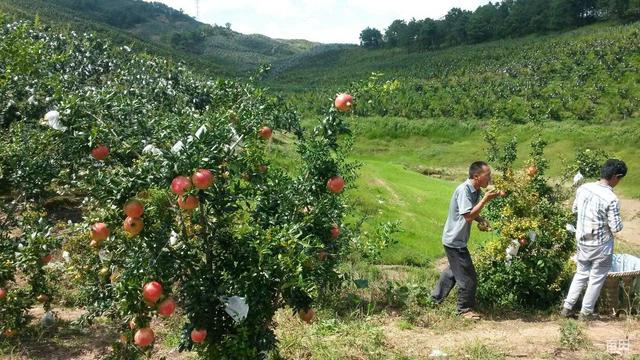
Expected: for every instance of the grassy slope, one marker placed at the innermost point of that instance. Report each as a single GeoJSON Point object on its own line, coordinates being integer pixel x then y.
{"type": "Point", "coordinates": [392, 149]}
{"type": "Point", "coordinates": [391, 188]}
{"type": "Point", "coordinates": [448, 144]}
{"type": "Point", "coordinates": [390, 192]}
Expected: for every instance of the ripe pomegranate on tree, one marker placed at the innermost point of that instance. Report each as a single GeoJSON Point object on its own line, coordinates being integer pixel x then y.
{"type": "Point", "coordinates": [266, 133]}
{"type": "Point", "coordinates": [335, 184]}
{"type": "Point", "coordinates": [100, 152]}
{"type": "Point", "coordinates": [167, 307]}
{"type": "Point", "coordinates": [152, 291]}
{"type": "Point", "coordinates": [532, 170]}
{"type": "Point", "coordinates": [99, 231]}
{"type": "Point", "coordinates": [46, 259]}
{"type": "Point", "coordinates": [202, 179]}
{"type": "Point", "coordinates": [3, 293]}
{"type": "Point", "coordinates": [190, 202]}
{"type": "Point", "coordinates": [307, 315]}
{"type": "Point", "coordinates": [180, 185]}
{"type": "Point", "coordinates": [335, 231]}
{"type": "Point", "coordinates": [323, 255]}
{"type": "Point", "coordinates": [134, 208]}
{"type": "Point", "coordinates": [198, 335]}
{"type": "Point", "coordinates": [344, 102]}
{"type": "Point", "coordinates": [144, 337]}
{"type": "Point", "coordinates": [133, 226]}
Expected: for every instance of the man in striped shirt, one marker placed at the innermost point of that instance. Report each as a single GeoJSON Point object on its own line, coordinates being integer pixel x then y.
{"type": "Point", "coordinates": [598, 214]}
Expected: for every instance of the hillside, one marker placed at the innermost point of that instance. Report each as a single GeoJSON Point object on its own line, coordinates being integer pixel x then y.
{"type": "Point", "coordinates": [164, 31]}
{"type": "Point", "coordinates": [427, 113]}
{"type": "Point", "coordinates": [589, 74]}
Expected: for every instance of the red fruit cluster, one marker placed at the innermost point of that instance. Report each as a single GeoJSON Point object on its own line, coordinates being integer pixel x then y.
{"type": "Point", "coordinates": [202, 179]}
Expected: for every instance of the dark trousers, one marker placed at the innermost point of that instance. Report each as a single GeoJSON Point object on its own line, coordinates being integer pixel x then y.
{"type": "Point", "coordinates": [462, 272]}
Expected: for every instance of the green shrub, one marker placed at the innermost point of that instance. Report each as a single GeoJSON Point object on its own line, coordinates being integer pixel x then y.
{"type": "Point", "coordinates": [532, 218]}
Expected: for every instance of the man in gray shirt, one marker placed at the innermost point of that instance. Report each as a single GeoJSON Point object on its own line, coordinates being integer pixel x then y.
{"type": "Point", "coordinates": [464, 208]}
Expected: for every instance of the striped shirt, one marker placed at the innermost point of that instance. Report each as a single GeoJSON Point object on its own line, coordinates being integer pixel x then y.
{"type": "Point", "coordinates": [598, 212]}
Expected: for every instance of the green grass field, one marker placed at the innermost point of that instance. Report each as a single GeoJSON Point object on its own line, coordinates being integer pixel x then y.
{"type": "Point", "coordinates": [393, 192]}
{"type": "Point", "coordinates": [452, 145]}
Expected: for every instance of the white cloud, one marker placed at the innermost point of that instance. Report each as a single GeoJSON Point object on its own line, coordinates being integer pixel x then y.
{"type": "Point", "coordinates": [328, 21]}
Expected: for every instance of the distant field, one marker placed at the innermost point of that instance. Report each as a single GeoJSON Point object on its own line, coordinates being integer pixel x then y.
{"type": "Point", "coordinates": [452, 145]}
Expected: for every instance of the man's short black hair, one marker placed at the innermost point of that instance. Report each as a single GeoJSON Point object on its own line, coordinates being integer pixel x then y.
{"type": "Point", "coordinates": [476, 167]}
{"type": "Point", "coordinates": [613, 167]}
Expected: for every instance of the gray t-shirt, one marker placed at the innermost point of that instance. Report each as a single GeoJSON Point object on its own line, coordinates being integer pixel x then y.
{"type": "Point", "coordinates": [457, 230]}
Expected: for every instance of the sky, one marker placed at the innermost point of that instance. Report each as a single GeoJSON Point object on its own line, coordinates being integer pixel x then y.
{"type": "Point", "coordinates": [326, 21]}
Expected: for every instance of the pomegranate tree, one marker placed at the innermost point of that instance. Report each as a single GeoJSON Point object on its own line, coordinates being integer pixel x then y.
{"type": "Point", "coordinates": [240, 233]}
{"type": "Point", "coordinates": [220, 219]}
{"type": "Point", "coordinates": [525, 265]}
{"type": "Point", "coordinates": [26, 250]}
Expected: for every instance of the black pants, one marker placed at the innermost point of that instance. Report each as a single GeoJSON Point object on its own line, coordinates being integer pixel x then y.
{"type": "Point", "coordinates": [462, 272]}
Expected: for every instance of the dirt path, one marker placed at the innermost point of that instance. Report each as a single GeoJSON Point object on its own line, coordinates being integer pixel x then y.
{"type": "Point", "coordinates": [513, 338]}
{"type": "Point", "coordinates": [66, 342]}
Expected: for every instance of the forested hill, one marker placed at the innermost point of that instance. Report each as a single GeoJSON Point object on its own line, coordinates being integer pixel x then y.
{"type": "Point", "coordinates": [163, 30]}
{"type": "Point", "coordinates": [499, 20]}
